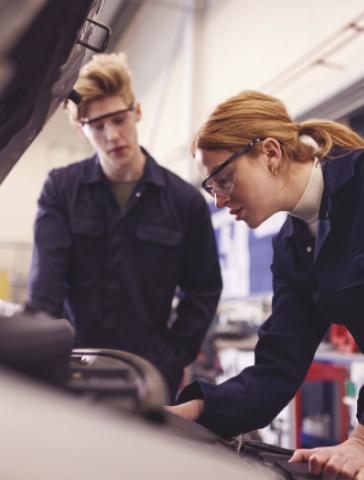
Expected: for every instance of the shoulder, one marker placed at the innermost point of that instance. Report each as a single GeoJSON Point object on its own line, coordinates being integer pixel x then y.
{"type": "Point", "coordinates": [341, 168]}
{"type": "Point", "coordinates": [358, 160]}
{"type": "Point", "coordinates": [342, 163]}
{"type": "Point", "coordinates": [72, 174]}
{"type": "Point", "coordinates": [72, 169]}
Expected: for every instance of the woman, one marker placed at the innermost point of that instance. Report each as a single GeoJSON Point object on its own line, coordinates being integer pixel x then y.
{"type": "Point", "coordinates": [258, 162]}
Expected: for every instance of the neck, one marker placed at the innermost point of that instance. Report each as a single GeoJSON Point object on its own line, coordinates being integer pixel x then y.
{"type": "Point", "coordinates": [298, 179]}
{"type": "Point", "coordinates": [127, 172]}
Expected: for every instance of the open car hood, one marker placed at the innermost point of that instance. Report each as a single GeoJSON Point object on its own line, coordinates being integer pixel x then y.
{"type": "Point", "coordinates": [42, 49]}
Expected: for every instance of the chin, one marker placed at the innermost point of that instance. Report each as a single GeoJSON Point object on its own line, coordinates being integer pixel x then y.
{"type": "Point", "coordinates": [254, 223]}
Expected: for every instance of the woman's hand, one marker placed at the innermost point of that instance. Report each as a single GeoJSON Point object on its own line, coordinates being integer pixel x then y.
{"type": "Point", "coordinates": [345, 460]}
{"type": "Point", "coordinates": [190, 410]}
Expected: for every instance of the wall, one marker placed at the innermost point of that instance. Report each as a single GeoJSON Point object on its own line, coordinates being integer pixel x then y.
{"type": "Point", "coordinates": [247, 43]}
{"type": "Point", "coordinates": [186, 56]}
{"type": "Point", "coordinates": [57, 145]}
{"type": "Point", "coordinates": [160, 44]}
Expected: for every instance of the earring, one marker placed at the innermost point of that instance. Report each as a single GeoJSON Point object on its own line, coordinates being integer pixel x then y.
{"type": "Point", "coordinates": [273, 170]}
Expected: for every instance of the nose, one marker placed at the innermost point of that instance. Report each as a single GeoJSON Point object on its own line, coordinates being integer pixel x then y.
{"type": "Point", "coordinates": [111, 131]}
{"type": "Point", "coordinates": [221, 200]}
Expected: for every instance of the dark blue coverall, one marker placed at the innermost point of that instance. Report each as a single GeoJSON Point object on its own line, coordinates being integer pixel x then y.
{"type": "Point", "coordinates": [114, 272]}
{"type": "Point", "coordinates": [316, 282]}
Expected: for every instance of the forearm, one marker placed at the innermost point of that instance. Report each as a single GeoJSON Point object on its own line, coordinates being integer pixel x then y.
{"type": "Point", "coordinates": [254, 397]}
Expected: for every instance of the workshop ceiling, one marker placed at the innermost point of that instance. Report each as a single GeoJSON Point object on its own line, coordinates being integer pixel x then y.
{"type": "Point", "coordinates": [303, 52]}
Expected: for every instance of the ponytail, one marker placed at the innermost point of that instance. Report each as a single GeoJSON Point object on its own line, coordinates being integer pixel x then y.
{"type": "Point", "coordinates": [328, 134]}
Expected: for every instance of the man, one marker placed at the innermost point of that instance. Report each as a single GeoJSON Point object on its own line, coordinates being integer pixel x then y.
{"type": "Point", "coordinates": [116, 235]}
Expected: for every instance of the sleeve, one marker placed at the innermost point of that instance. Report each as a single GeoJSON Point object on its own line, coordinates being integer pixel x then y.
{"type": "Point", "coordinates": [51, 251]}
{"type": "Point", "coordinates": [200, 284]}
{"type": "Point", "coordinates": [285, 349]}
{"type": "Point", "coordinates": [360, 410]}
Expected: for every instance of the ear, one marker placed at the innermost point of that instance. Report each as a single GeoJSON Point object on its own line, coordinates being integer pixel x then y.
{"type": "Point", "coordinates": [137, 112]}
{"type": "Point", "coordinates": [273, 154]}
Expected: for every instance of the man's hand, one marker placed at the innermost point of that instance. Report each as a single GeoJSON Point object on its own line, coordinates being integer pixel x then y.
{"type": "Point", "coordinates": [344, 461]}
{"type": "Point", "coordinates": [190, 410]}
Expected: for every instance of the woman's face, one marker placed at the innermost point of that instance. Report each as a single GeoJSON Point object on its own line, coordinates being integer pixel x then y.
{"type": "Point", "coordinates": [251, 187]}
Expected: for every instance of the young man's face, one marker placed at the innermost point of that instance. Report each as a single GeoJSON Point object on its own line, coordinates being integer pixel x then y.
{"type": "Point", "coordinates": [111, 130]}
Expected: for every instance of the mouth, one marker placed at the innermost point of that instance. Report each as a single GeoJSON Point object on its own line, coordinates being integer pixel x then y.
{"type": "Point", "coordinates": [237, 213]}
{"type": "Point", "coordinates": [117, 150]}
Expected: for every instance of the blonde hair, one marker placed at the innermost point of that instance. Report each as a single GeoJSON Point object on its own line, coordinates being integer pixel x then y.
{"type": "Point", "coordinates": [104, 75]}
{"type": "Point", "coordinates": [250, 114]}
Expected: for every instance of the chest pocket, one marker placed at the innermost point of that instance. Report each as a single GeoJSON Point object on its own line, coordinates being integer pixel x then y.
{"type": "Point", "coordinates": [158, 235]}
{"type": "Point", "coordinates": [87, 251]}
{"type": "Point", "coordinates": [87, 227]}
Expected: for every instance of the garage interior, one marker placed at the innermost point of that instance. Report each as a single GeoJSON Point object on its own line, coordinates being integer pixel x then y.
{"type": "Point", "coordinates": [186, 56]}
